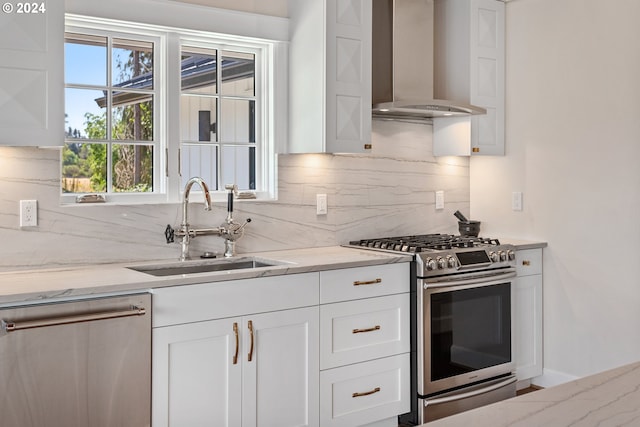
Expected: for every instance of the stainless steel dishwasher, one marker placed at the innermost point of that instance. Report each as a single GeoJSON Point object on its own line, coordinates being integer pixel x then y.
{"type": "Point", "coordinates": [85, 363]}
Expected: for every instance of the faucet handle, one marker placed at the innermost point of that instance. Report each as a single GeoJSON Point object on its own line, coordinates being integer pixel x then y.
{"type": "Point", "coordinates": [233, 188]}
{"type": "Point", "coordinates": [169, 234]}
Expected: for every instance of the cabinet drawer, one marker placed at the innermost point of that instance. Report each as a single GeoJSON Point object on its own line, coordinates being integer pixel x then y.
{"type": "Point", "coordinates": [217, 300]}
{"type": "Point", "coordinates": [363, 282]}
{"type": "Point", "coordinates": [366, 392]}
{"type": "Point", "coordinates": [528, 262]}
{"type": "Point", "coordinates": [356, 331]}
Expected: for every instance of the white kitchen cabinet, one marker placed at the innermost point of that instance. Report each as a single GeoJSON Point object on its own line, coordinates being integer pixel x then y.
{"type": "Point", "coordinates": [364, 345]}
{"type": "Point", "coordinates": [371, 392]}
{"type": "Point", "coordinates": [281, 384]}
{"type": "Point", "coordinates": [470, 34]}
{"type": "Point", "coordinates": [257, 368]}
{"type": "Point", "coordinates": [32, 73]}
{"type": "Point", "coordinates": [528, 314]}
{"type": "Point", "coordinates": [195, 381]}
{"type": "Point", "coordinates": [330, 76]}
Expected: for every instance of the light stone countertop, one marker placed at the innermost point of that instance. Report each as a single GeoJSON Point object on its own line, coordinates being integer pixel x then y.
{"type": "Point", "coordinates": [41, 285]}
{"type": "Point", "coordinates": [524, 244]}
{"type": "Point", "coordinates": [610, 398]}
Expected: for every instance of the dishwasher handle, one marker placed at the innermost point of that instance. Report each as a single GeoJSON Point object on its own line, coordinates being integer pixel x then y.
{"type": "Point", "coordinates": [9, 326]}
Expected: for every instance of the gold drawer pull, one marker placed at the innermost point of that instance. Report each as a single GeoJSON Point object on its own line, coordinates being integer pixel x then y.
{"type": "Point", "coordinates": [359, 331]}
{"type": "Point", "coordinates": [366, 393]}
{"type": "Point", "coordinates": [526, 262]}
{"type": "Point", "coordinates": [367, 282]}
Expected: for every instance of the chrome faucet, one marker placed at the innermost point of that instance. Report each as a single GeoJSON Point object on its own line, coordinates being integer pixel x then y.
{"type": "Point", "coordinates": [184, 231]}
{"type": "Point", "coordinates": [229, 230]}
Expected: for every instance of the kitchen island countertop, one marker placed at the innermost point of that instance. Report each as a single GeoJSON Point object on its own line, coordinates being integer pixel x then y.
{"type": "Point", "coordinates": [609, 398]}
{"type": "Point", "coordinates": [32, 286]}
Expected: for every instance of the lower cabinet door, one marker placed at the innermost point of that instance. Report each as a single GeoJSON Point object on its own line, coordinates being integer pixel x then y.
{"type": "Point", "coordinates": [528, 326]}
{"type": "Point", "coordinates": [195, 379]}
{"type": "Point", "coordinates": [365, 392]}
{"type": "Point", "coordinates": [281, 369]}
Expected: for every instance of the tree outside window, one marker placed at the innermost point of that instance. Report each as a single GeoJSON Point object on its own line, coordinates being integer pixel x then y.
{"type": "Point", "coordinates": [110, 119]}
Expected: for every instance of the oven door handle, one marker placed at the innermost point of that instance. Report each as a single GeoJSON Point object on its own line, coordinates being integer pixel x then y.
{"type": "Point", "coordinates": [461, 396]}
{"type": "Point", "coordinates": [489, 277]}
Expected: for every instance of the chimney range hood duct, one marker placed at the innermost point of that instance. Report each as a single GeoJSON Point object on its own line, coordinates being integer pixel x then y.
{"type": "Point", "coordinates": [403, 64]}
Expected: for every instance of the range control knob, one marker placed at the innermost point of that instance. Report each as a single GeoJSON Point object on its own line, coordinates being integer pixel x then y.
{"type": "Point", "coordinates": [494, 257]}
{"type": "Point", "coordinates": [511, 254]}
{"type": "Point", "coordinates": [442, 263]}
{"type": "Point", "coordinates": [503, 255]}
{"type": "Point", "coordinates": [451, 261]}
{"type": "Point", "coordinates": [430, 263]}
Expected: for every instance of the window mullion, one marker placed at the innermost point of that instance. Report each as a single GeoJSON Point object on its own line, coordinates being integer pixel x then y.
{"type": "Point", "coordinates": [109, 115]}
{"type": "Point", "coordinates": [220, 135]}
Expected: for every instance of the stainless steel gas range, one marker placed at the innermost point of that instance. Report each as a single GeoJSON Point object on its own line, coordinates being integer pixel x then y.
{"type": "Point", "coordinates": [462, 352]}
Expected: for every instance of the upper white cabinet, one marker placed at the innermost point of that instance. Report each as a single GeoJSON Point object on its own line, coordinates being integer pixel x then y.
{"type": "Point", "coordinates": [330, 76]}
{"type": "Point", "coordinates": [32, 73]}
{"type": "Point", "coordinates": [470, 35]}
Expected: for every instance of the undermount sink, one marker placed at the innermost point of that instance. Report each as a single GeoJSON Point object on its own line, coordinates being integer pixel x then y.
{"type": "Point", "coordinates": [189, 267]}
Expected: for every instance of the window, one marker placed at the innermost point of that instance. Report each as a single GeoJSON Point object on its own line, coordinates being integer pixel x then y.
{"type": "Point", "coordinates": [213, 95]}
{"type": "Point", "coordinates": [121, 135]}
{"type": "Point", "coordinates": [109, 104]}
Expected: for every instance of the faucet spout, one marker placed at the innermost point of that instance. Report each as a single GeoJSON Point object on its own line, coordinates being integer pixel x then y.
{"type": "Point", "coordinates": [185, 198]}
{"type": "Point", "coordinates": [184, 226]}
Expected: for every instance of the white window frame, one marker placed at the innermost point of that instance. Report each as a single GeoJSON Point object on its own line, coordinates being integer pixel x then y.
{"type": "Point", "coordinates": [271, 88]}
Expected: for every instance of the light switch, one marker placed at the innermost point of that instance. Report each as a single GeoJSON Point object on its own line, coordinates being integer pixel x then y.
{"type": "Point", "coordinates": [439, 199]}
{"type": "Point", "coordinates": [516, 201]}
{"type": "Point", "coordinates": [321, 204]}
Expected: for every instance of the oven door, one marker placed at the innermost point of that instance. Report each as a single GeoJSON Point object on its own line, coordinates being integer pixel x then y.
{"type": "Point", "coordinates": [467, 331]}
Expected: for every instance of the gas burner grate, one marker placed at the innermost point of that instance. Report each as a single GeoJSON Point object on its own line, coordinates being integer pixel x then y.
{"type": "Point", "coordinates": [425, 242]}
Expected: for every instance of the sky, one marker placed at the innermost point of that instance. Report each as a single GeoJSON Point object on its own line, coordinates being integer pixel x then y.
{"type": "Point", "coordinates": [83, 65]}
{"type": "Point", "coordinates": [86, 65]}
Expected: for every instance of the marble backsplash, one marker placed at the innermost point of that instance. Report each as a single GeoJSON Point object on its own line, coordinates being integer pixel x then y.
{"type": "Point", "coordinates": [388, 192]}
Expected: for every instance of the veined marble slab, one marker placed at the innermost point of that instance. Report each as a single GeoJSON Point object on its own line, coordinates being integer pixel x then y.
{"type": "Point", "coordinates": [610, 398]}
{"type": "Point", "coordinates": [390, 191]}
{"type": "Point", "coordinates": [43, 285]}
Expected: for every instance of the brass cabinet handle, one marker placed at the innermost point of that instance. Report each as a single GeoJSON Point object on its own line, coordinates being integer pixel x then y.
{"type": "Point", "coordinates": [367, 282]}
{"type": "Point", "coordinates": [526, 262]}
{"type": "Point", "coordinates": [235, 332]}
{"type": "Point", "coordinates": [359, 331]}
{"type": "Point", "coordinates": [366, 393]}
{"type": "Point", "coordinates": [250, 356]}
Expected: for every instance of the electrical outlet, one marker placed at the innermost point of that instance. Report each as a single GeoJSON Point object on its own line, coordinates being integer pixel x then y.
{"type": "Point", "coordinates": [439, 200]}
{"type": "Point", "coordinates": [28, 213]}
{"type": "Point", "coordinates": [516, 201]}
{"type": "Point", "coordinates": [321, 204]}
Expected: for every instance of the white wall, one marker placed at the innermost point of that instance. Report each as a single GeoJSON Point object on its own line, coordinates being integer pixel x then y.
{"type": "Point", "coordinates": [573, 148]}
{"type": "Point", "coordinates": [269, 7]}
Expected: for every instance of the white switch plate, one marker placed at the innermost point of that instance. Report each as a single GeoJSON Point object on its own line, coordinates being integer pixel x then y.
{"type": "Point", "coordinates": [439, 199]}
{"type": "Point", "coordinates": [28, 213]}
{"type": "Point", "coordinates": [516, 201]}
{"type": "Point", "coordinates": [321, 204]}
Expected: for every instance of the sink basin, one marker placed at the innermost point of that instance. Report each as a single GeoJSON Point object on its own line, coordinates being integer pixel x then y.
{"type": "Point", "coordinates": [189, 267]}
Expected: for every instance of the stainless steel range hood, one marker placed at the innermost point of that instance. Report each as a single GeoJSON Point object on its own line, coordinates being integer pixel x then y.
{"type": "Point", "coordinates": [403, 64]}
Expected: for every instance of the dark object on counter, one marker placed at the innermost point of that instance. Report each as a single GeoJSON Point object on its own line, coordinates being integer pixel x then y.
{"type": "Point", "coordinates": [469, 228]}
{"type": "Point", "coordinates": [460, 217]}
